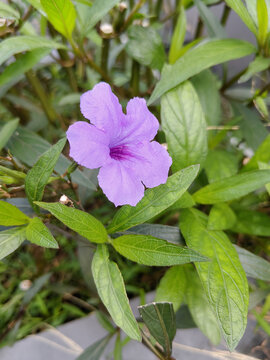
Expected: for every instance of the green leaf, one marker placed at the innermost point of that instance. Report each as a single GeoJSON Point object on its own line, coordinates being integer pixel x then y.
{"type": "Point", "coordinates": [99, 9]}
{"type": "Point", "coordinates": [241, 11]}
{"type": "Point", "coordinates": [8, 12]}
{"type": "Point", "coordinates": [111, 289]}
{"type": "Point", "coordinates": [223, 278]}
{"type": "Point", "coordinates": [10, 240]}
{"type": "Point", "coordinates": [94, 351]}
{"type": "Point", "coordinates": [154, 201]}
{"type": "Point", "coordinates": [35, 288]}
{"type": "Point", "coordinates": [81, 222]}
{"type": "Point", "coordinates": [252, 223]}
{"type": "Point", "coordinates": [254, 266]}
{"type": "Point", "coordinates": [205, 84]}
{"type": "Point", "coordinates": [150, 251]}
{"type": "Point", "coordinates": [210, 53]}
{"type": "Point", "coordinates": [233, 187]}
{"type": "Point", "coordinates": [221, 217]}
{"type": "Point", "coordinates": [160, 321]}
{"type": "Point", "coordinates": [38, 177]}
{"type": "Point", "coordinates": [200, 308]}
{"type": "Point", "coordinates": [262, 14]}
{"type": "Point", "coordinates": [172, 286]}
{"type": "Point", "coordinates": [61, 14]}
{"type": "Point", "coordinates": [257, 65]}
{"type": "Point", "coordinates": [178, 36]}
{"type": "Point", "coordinates": [27, 146]}
{"type": "Point", "coordinates": [214, 28]}
{"type": "Point", "coordinates": [184, 125]}
{"type": "Point", "coordinates": [262, 154]}
{"type": "Point", "coordinates": [10, 215]}
{"type": "Point", "coordinates": [264, 166]}
{"type": "Point", "coordinates": [18, 44]}
{"type": "Point", "coordinates": [37, 233]}
{"type": "Point", "coordinates": [6, 132]}
{"type": "Point", "coordinates": [220, 164]}
{"type": "Point", "coordinates": [165, 232]}
{"type": "Point", "coordinates": [145, 45]}
{"type": "Point", "coordinates": [22, 64]}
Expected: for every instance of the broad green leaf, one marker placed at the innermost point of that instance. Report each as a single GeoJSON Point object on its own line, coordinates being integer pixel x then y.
{"type": "Point", "coordinates": [8, 12]}
{"type": "Point", "coordinates": [165, 232]}
{"type": "Point", "coordinates": [145, 45]}
{"type": "Point", "coordinates": [210, 53]}
{"type": "Point", "coordinates": [233, 187]}
{"type": "Point", "coordinates": [184, 125]}
{"type": "Point", "coordinates": [27, 146]}
{"type": "Point", "coordinates": [254, 266]}
{"type": "Point", "coordinates": [214, 28]}
{"type": "Point", "coordinates": [22, 64]}
{"type": "Point", "coordinates": [220, 164]}
{"type": "Point", "coordinates": [223, 278]}
{"type": "Point", "coordinates": [200, 308]}
{"type": "Point", "coordinates": [154, 201]}
{"type": "Point", "coordinates": [262, 154]}
{"type": "Point", "coordinates": [111, 289]}
{"type": "Point", "coordinates": [252, 223]}
{"type": "Point", "coordinates": [205, 84]}
{"type": "Point", "coordinates": [264, 166]}
{"type": "Point", "coordinates": [241, 11]}
{"type": "Point", "coordinates": [257, 65]}
{"type": "Point", "coordinates": [172, 286]}
{"type": "Point", "coordinates": [37, 233]}
{"type": "Point", "coordinates": [150, 251]}
{"type": "Point", "coordinates": [61, 14]}
{"type": "Point", "coordinates": [81, 222]}
{"type": "Point", "coordinates": [10, 215]}
{"type": "Point", "coordinates": [10, 240]}
{"type": "Point", "coordinates": [18, 44]}
{"type": "Point", "coordinates": [185, 201]}
{"type": "Point", "coordinates": [6, 132]}
{"type": "Point", "coordinates": [38, 177]}
{"type": "Point", "coordinates": [221, 217]}
{"type": "Point", "coordinates": [160, 321]}
{"type": "Point", "coordinates": [94, 351]}
{"type": "Point", "coordinates": [99, 9]}
{"type": "Point", "coordinates": [262, 21]}
{"type": "Point", "coordinates": [178, 36]}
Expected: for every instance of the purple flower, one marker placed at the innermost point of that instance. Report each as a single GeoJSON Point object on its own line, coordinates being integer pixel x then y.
{"type": "Point", "coordinates": [119, 144]}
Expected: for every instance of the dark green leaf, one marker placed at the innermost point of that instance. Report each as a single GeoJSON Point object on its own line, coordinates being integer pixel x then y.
{"type": "Point", "coordinates": [111, 289]}
{"type": "Point", "coordinates": [81, 222]}
{"type": "Point", "coordinates": [210, 53]}
{"type": "Point", "coordinates": [10, 240]}
{"type": "Point", "coordinates": [172, 286]}
{"type": "Point", "coordinates": [10, 215]}
{"type": "Point", "coordinates": [252, 223]}
{"type": "Point", "coordinates": [38, 177]}
{"type": "Point", "coordinates": [233, 187]}
{"type": "Point", "coordinates": [37, 233]}
{"type": "Point", "coordinates": [221, 217]}
{"type": "Point", "coordinates": [155, 200]}
{"type": "Point", "coordinates": [220, 164]}
{"type": "Point", "coordinates": [145, 46]}
{"type": "Point", "coordinates": [6, 132]}
{"type": "Point", "coordinates": [223, 278]}
{"type": "Point", "coordinates": [165, 232]}
{"type": "Point", "coordinates": [254, 266]}
{"type": "Point", "coordinates": [184, 126]}
{"type": "Point", "coordinates": [160, 321]}
{"type": "Point", "coordinates": [94, 351]}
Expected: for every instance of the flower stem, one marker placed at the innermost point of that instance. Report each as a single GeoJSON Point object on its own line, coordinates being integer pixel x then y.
{"type": "Point", "coordinates": [105, 54]}
{"type": "Point", "coordinates": [225, 15]}
{"type": "Point", "coordinates": [135, 78]}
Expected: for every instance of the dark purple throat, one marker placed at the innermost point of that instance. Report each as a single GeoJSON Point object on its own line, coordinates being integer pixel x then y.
{"type": "Point", "coordinates": [120, 152]}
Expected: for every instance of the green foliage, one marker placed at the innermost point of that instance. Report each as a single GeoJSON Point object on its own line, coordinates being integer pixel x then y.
{"type": "Point", "coordinates": [95, 351]}
{"type": "Point", "coordinates": [10, 215]}
{"type": "Point", "coordinates": [39, 234]}
{"type": "Point", "coordinates": [220, 164]}
{"type": "Point", "coordinates": [10, 240]}
{"type": "Point", "coordinates": [178, 36]}
{"type": "Point", "coordinates": [221, 217]}
{"type": "Point", "coordinates": [6, 131]}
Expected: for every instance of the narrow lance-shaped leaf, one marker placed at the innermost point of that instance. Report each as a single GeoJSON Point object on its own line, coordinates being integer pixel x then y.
{"type": "Point", "coordinates": [240, 9]}
{"type": "Point", "coordinates": [233, 187]}
{"type": "Point", "coordinates": [223, 277]}
{"type": "Point", "coordinates": [39, 234]}
{"type": "Point", "coordinates": [10, 240]}
{"type": "Point", "coordinates": [10, 215]}
{"type": "Point", "coordinates": [251, 222]}
{"type": "Point", "coordinates": [178, 36]}
{"type": "Point", "coordinates": [148, 250]}
{"type": "Point", "coordinates": [94, 351]}
{"type": "Point", "coordinates": [154, 201]}
{"type": "Point", "coordinates": [210, 53]}
{"type": "Point", "coordinates": [84, 224]}
{"type": "Point", "coordinates": [38, 176]}
{"type": "Point", "coordinates": [6, 132]}
{"type": "Point", "coordinates": [184, 125]}
{"type": "Point", "coordinates": [257, 65]}
{"type": "Point", "coordinates": [111, 289]}
{"type": "Point", "coordinates": [221, 217]}
{"type": "Point", "coordinates": [262, 14]}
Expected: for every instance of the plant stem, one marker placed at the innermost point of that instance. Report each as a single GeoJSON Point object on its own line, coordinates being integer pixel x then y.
{"type": "Point", "coordinates": [104, 55]}
{"type": "Point", "coordinates": [199, 29]}
{"type": "Point", "coordinates": [151, 347]}
{"type": "Point", "coordinates": [135, 78]}
{"type": "Point", "coordinates": [225, 15]}
{"type": "Point", "coordinates": [130, 16]}
{"type": "Point", "coordinates": [233, 80]}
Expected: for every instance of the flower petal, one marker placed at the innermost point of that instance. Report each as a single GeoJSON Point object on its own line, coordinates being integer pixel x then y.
{"type": "Point", "coordinates": [88, 145]}
{"type": "Point", "coordinates": [102, 108]}
{"type": "Point", "coordinates": [120, 184]}
{"type": "Point", "coordinates": [153, 164]}
{"type": "Point", "coordinates": [140, 124]}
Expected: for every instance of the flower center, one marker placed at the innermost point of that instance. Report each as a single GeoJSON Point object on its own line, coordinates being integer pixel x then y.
{"type": "Point", "coordinates": [119, 152]}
